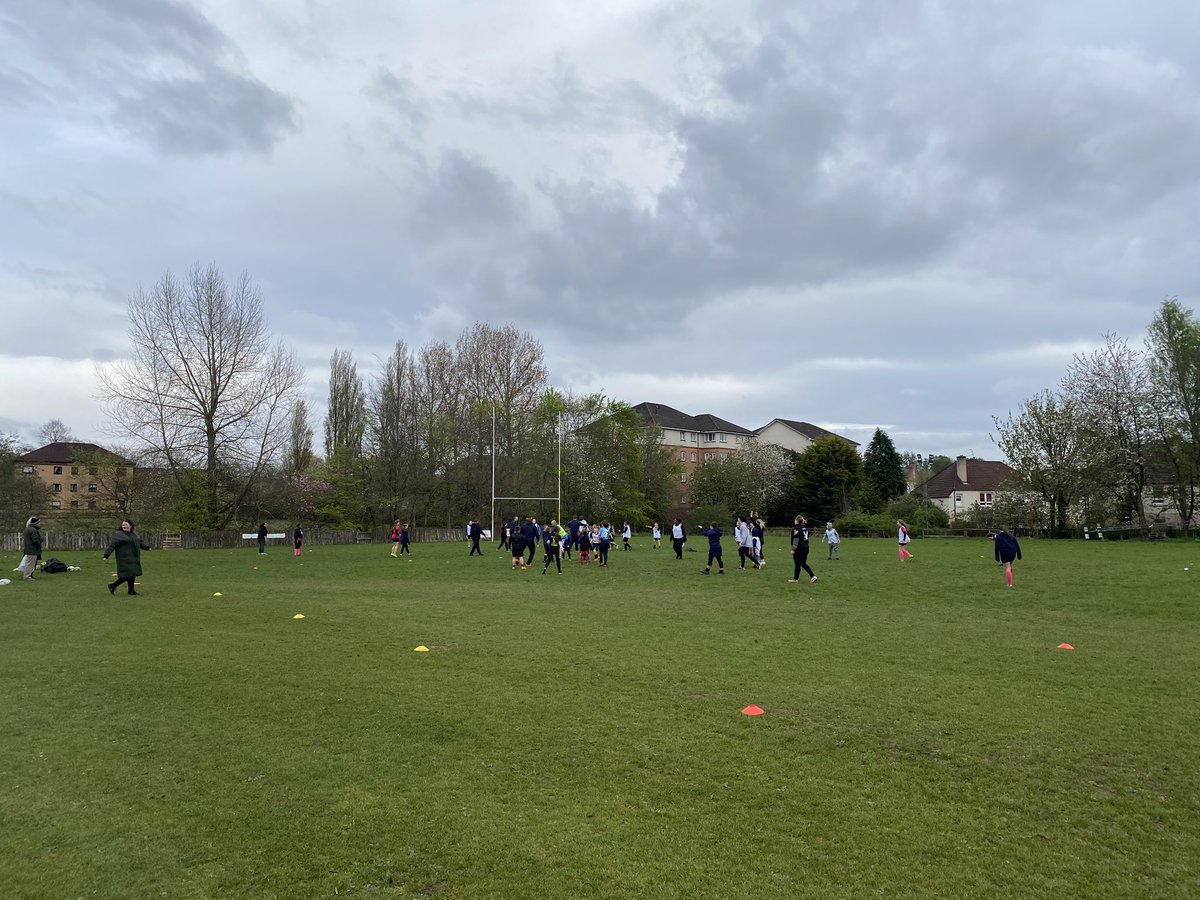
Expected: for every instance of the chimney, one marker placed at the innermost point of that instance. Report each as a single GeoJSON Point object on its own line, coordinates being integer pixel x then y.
{"type": "Point", "coordinates": [961, 466]}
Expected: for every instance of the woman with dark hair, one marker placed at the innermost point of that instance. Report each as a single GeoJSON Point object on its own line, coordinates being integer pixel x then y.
{"type": "Point", "coordinates": [128, 547]}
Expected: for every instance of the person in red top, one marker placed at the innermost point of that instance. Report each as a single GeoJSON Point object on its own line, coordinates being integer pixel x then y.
{"type": "Point", "coordinates": [395, 537]}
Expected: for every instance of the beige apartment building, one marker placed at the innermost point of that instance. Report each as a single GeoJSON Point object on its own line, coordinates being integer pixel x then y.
{"type": "Point", "coordinates": [79, 476]}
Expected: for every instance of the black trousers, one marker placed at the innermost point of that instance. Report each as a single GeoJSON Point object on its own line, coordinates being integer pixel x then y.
{"type": "Point", "coordinates": [677, 543]}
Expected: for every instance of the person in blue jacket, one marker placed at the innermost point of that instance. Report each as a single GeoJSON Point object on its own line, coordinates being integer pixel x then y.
{"type": "Point", "coordinates": [713, 533]}
{"type": "Point", "coordinates": [1007, 550]}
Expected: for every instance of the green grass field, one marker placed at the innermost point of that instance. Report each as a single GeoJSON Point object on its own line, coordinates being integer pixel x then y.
{"type": "Point", "coordinates": [581, 735]}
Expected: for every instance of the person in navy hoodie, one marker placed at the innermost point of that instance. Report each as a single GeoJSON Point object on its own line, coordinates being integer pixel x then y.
{"type": "Point", "coordinates": [1007, 550]}
{"type": "Point", "coordinates": [713, 533]}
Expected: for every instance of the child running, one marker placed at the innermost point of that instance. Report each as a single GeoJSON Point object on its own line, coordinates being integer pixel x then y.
{"type": "Point", "coordinates": [1007, 550]}
{"type": "Point", "coordinates": [713, 533]}
{"type": "Point", "coordinates": [902, 537]}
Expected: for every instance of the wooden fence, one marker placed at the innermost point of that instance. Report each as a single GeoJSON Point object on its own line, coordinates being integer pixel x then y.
{"type": "Point", "coordinates": [54, 541]}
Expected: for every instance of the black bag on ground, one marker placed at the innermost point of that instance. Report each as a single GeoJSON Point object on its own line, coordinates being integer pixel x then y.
{"type": "Point", "coordinates": [53, 566]}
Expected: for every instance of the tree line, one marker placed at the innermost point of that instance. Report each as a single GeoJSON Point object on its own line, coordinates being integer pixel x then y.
{"type": "Point", "coordinates": [209, 406]}
{"type": "Point", "coordinates": [1118, 440]}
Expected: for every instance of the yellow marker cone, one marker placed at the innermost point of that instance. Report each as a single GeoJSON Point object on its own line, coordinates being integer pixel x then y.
{"type": "Point", "coordinates": [298, 616]}
{"type": "Point", "coordinates": [421, 649]}
{"type": "Point", "coordinates": [218, 594]}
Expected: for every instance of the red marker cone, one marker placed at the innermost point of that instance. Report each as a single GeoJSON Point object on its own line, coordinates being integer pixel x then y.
{"type": "Point", "coordinates": [1064, 647]}
{"type": "Point", "coordinates": [752, 710]}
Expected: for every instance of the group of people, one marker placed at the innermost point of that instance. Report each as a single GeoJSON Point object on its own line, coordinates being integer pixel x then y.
{"type": "Point", "coordinates": [559, 541]}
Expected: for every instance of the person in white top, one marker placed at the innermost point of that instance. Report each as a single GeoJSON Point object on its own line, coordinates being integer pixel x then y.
{"type": "Point", "coordinates": [832, 539]}
{"type": "Point", "coordinates": [678, 538]}
{"type": "Point", "coordinates": [626, 534]}
{"type": "Point", "coordinates": [656, 532]}
{"type": "Point", "coordinates": [745, 542]}
{"type": "Point", "coordinates": [902, 539]}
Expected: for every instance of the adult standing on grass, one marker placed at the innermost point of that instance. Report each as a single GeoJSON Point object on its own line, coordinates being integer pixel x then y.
{"type": "Point", "coordinates": [262, 539]}
{"type": "Point", "coordinates": [833, 539]}
{"type": "Point", "coordinates": [713, 533]}
{"type": "Point", "coordinates": [606, 535]}
{"type": "Point", "coordinates": [31, 539]}
{"type": "Point", "coordinates": [800, 551]}
{"type": "Point", "coordinates": [678, 538]}
{"type": "Point", "coordinates": [1007, 550]}
{"type": "Point", "coordinates": [297, 539]}
{"type": "Point", "coordinates": [128, 547]}
{"type": "Point", "coordinates": [475, 530]}
{"type": "Point", "coordinates": [626, 534]}
{"type": "Point", "coordinates": [503, 537]}
{"type": "Point", "coordinates": [903, 539]}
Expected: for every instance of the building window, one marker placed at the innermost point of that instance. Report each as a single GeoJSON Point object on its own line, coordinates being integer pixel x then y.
{"type": "Point", "coordinates": [92, 488]}
{"type": "Point", "coordinates": [74, 470]}
{"type": "Point", "coordinates": [724, 438]}
{"type": "Point", "coordinates": [985, 498]}
{"type": "Point", "coordinates": [1157, 501]}
{"type": "Point", "coordinates": [58, 470]}
{"type": "Point", "coordinates": [693, 456]}
{"type": "Point", "coordinates": [57, 504]}
{"type": "Point", "coordinates": [724, 456]}
{"type": "Point", "coordinates": [74, 488]}
{"type": "Point", "coordinates": [683, 476]}
{"type": "Point", "coordinates": [74, 504]}
{"type": "Point", "coordinates": [91, 470]}
{"type": "Point", "coordinates": [91, 504]}
{"type": "Point", "coordinates": [683, 456]}
{"type": "Point", "coordinates": [958, 498]}
{"type": "Point", "coordinates": [683, 435]}
{"type": "Point", "coordinates": [711, 436]}
{"type": "Point", "coordinates": [56, 488]}
{"type": "Point", "coordinates": [27, 470]}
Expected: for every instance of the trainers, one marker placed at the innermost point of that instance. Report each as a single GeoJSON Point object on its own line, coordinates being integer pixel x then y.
{"type": "Point", "coordinates": [705, 572]}
{"type": "Point", "coordinates": [813, 580]}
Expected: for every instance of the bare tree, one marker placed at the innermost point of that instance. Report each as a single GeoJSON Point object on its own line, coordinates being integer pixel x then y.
{"type": "Point", "coordinates": [54, 431]}
{"type": "Point", "coordinates": [205, 389]}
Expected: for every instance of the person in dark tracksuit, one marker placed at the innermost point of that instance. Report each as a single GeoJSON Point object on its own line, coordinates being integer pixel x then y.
{"type": "Point", "coordinates": [800, 551]}
{"type": "Point", "coordinates": [262, 539]}
{"type": "Point", "coordinates": [1007, 550]}
{"type": "Point", "coordinates": [476, 532]}
{"type": "Point", "coordinates": [552, 547]}
{"type": "Point", "coordinates": [713, 533]}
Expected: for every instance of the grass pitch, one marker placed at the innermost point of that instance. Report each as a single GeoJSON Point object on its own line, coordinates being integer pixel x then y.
{"type": "Point", "coordinates": [580, 735]}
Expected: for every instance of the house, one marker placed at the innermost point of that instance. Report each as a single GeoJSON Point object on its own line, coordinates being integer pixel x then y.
{"type": "Point", "coordinates": [78, 475]}
{"type": "Point", "coordinates": [795, 436]}
{"type": "Point", "coordinates": [965, 484]}
{"type": "Point", "coordinates": [694, 439]}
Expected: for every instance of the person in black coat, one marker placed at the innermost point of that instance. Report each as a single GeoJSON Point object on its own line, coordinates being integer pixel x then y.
{"type": "Point", "coordinates": [31, 539]}
{"type": "Point", "coordinates": [262, 539]}
{"type": "Point", "coordinates": [128, 547]}
{"type": "Point", "coordinates": [800, 551]}
{"type": "Point", "coordinates": [476, 532]}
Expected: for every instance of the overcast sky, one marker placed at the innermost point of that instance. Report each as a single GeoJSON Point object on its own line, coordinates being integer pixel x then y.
{"type": "Point", "coordinates": [896, 214]}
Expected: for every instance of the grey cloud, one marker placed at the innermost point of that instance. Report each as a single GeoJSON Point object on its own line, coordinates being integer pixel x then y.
{"type": "Point", "coordinates": [156, 69]}
{"type": "Point", "coordinates": [220, 113]}
{"type": "Point", "coordinates": [402, 96]}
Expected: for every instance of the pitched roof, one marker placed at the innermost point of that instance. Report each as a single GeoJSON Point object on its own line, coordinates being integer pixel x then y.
{"type": "Point", "coordinates": [982, 475]}
{"type": "Point", "coordinates": [809, 430]}
{"type": "Point", "coordinates": [61, 452]}
{"type": "Point", "coordinates": [667, 417]}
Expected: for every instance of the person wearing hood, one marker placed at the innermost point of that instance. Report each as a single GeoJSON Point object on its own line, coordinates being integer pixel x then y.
{"type": "Point", "coordinates": [32, 547]}
{"type": "Point", "coordinates": [128, 547]}
{"type": "Point", "coordinates": [1007, 551]}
